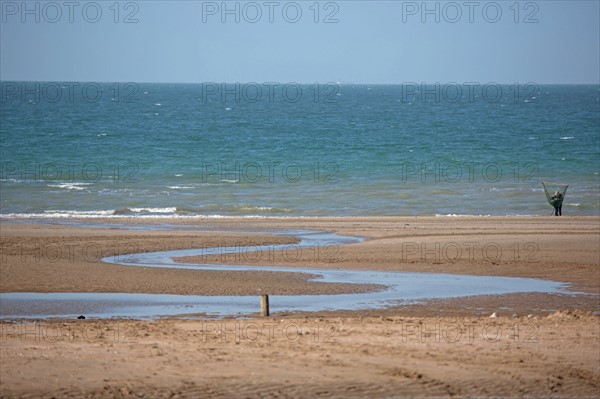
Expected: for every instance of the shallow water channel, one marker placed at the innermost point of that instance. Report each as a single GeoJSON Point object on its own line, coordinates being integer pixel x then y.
{"type": "Point", "coordinates": [401, 287]}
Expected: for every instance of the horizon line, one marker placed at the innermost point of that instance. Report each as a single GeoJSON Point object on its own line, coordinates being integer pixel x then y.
{"type": "Point", "coordinates": [300, 82]}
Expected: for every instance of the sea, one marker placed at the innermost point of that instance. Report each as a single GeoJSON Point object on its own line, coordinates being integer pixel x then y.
{"type": "Point", "coordinates": [258, 149]}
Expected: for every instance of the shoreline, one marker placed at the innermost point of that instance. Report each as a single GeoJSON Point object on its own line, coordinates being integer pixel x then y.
{"type": "Point", "coordinates": [547, 248]}
{"type": "Point", "coordinates": [538, 345]}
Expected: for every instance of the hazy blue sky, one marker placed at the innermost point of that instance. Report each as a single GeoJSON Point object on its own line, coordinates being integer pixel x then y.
{"type": "Point", "coordinates": [371, 42]}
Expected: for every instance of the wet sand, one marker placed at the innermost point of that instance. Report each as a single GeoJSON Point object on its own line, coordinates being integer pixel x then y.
{"type": "Point", "coordinates": [540, 345]}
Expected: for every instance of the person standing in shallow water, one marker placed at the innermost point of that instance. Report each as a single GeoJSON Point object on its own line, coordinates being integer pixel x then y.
{"type": "Point", "coordinates": [557, 200]}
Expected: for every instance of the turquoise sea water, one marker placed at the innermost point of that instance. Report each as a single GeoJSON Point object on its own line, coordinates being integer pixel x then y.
{"type": "Point", "coordinates": [341, 150]}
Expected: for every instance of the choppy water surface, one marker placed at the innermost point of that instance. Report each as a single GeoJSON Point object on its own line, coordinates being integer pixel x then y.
{"type": "Point", "coordinates": [370, 151]}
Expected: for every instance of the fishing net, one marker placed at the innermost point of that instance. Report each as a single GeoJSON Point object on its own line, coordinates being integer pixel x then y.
{"type": "Point", "coordinates": [555, 192]}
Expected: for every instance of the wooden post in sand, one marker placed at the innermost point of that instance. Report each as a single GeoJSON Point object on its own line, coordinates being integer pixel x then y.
{"type": "Point", "coordinates": [264, 305]}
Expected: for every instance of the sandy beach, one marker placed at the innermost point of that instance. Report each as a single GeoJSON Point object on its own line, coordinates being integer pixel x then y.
{"type": "Point", "coordinates": [539, 345]}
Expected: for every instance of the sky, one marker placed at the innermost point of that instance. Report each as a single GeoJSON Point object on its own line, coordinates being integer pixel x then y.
{"type": "Point", "coordinates": [374, 42]}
